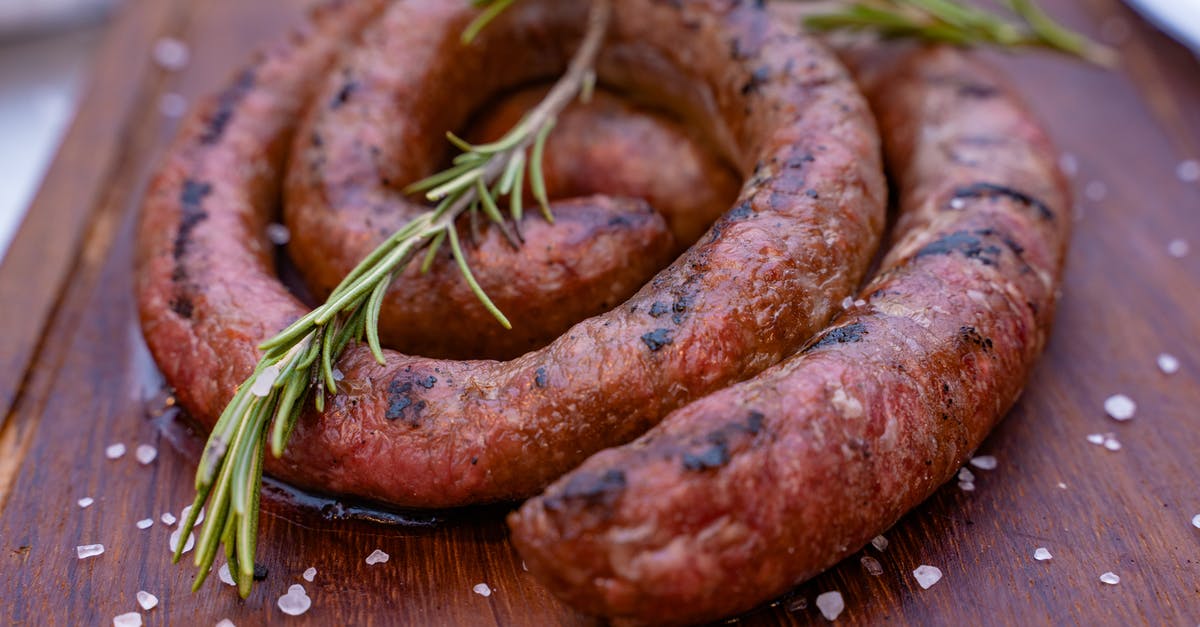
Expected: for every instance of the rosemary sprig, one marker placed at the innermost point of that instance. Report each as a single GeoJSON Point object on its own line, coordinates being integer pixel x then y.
{"type": "Point", "coordinates": [960, 24]}
{"type": "Point", "coordinates": [297, 364]}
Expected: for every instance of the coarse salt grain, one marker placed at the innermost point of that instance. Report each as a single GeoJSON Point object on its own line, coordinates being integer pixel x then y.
{"type": "Point", "coordinates": [278, 234]}
{"type": "Point", "coordinates": [172, 105]}
{"type": "Point", "coordinates": [264, 381]}
{"type": "Point", "coordinates": [168, 518]}
{"type": "Point", "coordinates": [187, 509]}
{"type": "Point", "coordinates": [131, 619]}
{"type": "Point", "coordinates": [1095, 191]}
{"type": "Point", "coordinates": [482, 590]}
{"type": "Point", "coordinates": [1168, 364]}
{"type": "Point", "coordinates": [174, 540]}
{"type": "Point", "coordinates": [146, 600]}
{"type": "Point", "coordinates": [1042, 554]}
{"type": "Point", "coordinates": [1112, 444]}
{"type": "Point", "coordinates": [965, 474]}
{"type": "Point", "coordinates": [1096, 438]}
{"type": "Point", "coordinates": [309, 574]}
{"type": "Point", "coordinates": [338, 375]}
{"type": "Point", "coordinates": [1120, 407]}
{"type": "Point", "coordinates": [984, 462]}
{"type": "Point", "coordinates": [1178, 248]}
{"type": "Point", "coordinates": [225, 622]}
{"type": "Point", "coordinates": [145, 523]}
{"type": "Point", "coordinates": [1062, 486]}
{"type": "Point", "coordinates": [872, 565]}
{"type": "Point", "coordinates": [1110, 578]}
{"type": "Point", "coordinates": [927, 575]}
{"type": "Point", "coordinates": [958, 204]}
{"type": "Point", "coordinates": [225, 576]}
{"type": "Point", "coordinates": [1188, 171]}
{"type": "Point", "coordinates": [831, 604]}
{"type": "Point", "coordinates": [145, 454]}
{"type": "Point", "coordinates": [114, 451]}
{"type": "Point", "coordinates": [847, 302]}
{"type": "Point", "coordinates": [880, 543]}
{"type": "Point", "coordinates": [85, 501]}
{"type": "Point", "coordinates": [966, 486]}
{"type": "Point", "coordinates": [171, 54]}
{"type": "Point", "coordinates": [89, 550]}
{"type": "Point", "coordinates": [1196, 521]}
{"type": "Point", "coordinates": [295, 602]}
{"type": "Point", "coordinates": [377, 557]}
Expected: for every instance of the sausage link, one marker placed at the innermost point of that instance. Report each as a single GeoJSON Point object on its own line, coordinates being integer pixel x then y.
{"type": "Point", "coordinates": [438, 433]}
{"type": "Point", "coordinates": [744, 493]}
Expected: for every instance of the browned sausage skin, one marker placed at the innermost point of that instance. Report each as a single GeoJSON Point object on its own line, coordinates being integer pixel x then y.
{"type": "Point", "coordinates": [748, 491]}
{"type": "Point", "coordinates": [437, 433]}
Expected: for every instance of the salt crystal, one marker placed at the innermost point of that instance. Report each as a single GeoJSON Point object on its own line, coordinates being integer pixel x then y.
{"type": "Point", "coordinates": [847, 302]}
{"type": "Point", "coordinates": [146, 600]}
{"type": "Point", "coordinates": [1069, 164]}
{"type": "Point", "coordinates": [377, 557]}
{"type": "Point", "coordinates": [1110, 578]}
{"type": "Point", "coordinates": [145, 454]}
{"type": "Point", "coordinates": [965, 474]}
{"type": "Point", "coordinates": [1042, 554]}
{"type": "Point", "coordinates": [1178, 248]}
{"type": "Point", "coordinates": [880, 543]}
{"type": "Point", "coordinates": [171, 54]}
{"type": "Point", "coordinates": [1188, 171]}
{"type": "Point", "coordinates": [1196, 521]}
{"type": "Point", "coordinates": [225, 576]}
{"type": "Point", "coordinates": [482, 590]}
{"type": "Point", "coordinates": [187, 509]}
{"type": "Point", "coordinates": [984, 462]}
{"type": "Point", "coordinates": [145, 523]}
{"type": "Point", "coordinates": [264, 381]}
{"type": "Point", "coordinates": [132, 619]}
{"type": "Point", "coordinates": [187, 546]}
{"type": "Point", "coordinates": [1062, 486]}
{"type": "Point", "coordinates": [172, 105]}
{"type": "Point", "coordinates": [310, 573]}
{"type": "Point", "coordinates": [831, 604]}
{"type": "Point", "coordinates": [278, 234]}
{"type": "Point", "coordinates": [85, 501]}
{"type": "Point", "coordinates": [966, 486]}
{"type": "Point", "coordinates": [1168, 363]}
{"type": "Point", "coordinates": [338, 375]}
{"type": "Point", "coordinates": [872, 565]}
{"type": "Point", "coordinates": [958, 204]}
{"type": "Point", "coordinates": [225, 622]}
{"type": "Point", "coordinates": [860, 303]}
{"type": "Point", "coordinates": [114, 451]}
{"type": "Point", "coordinates": [1120, 407]}
{"type": "Point", "coordinates": [1112, 444]}
{"type": "Point", "coordinates": [1095, 191]}
{"type": "Point", "coordinates": [89, 550]}
{"type": "Point", "coordinates": [1096, 438]}
{"type": "Point", "coordinates": [927, 575]}
{"type": "Point", "coordinates": [168, 518]}
{"type": "Point", "coordinates": [295, 602]}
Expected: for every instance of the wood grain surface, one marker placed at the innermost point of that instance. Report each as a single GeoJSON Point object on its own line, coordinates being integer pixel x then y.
{"type": "Point", "coordinates": [75, 377]}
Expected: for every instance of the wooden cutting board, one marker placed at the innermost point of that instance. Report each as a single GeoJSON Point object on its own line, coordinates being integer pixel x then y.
{"type": "Point", "coordinates": [75, 377]}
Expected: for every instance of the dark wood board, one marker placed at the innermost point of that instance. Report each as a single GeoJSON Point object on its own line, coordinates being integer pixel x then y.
{"type": "Point", "coordinates": [75, 376]}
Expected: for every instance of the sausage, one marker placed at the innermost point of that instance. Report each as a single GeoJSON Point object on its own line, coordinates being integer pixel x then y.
{"type": "Point", "coordinates": [613, 145]}
{"type": "Point", "coordinates": [744, 493]}
{"type": "Point", "coordinates": [424, 432]}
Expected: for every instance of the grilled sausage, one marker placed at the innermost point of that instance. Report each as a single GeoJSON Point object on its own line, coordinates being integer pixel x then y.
{"type": "Point", "coordinates": [744, 493]}
{"type": "Point", "coordinates": [437, 433]}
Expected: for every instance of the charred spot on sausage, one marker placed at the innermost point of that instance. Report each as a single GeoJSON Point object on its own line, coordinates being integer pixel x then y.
{"type": "Point", "coordinates": [227, 102]}
{"type": "Point", "coordinates": [657, 339]}
{"type": "Point", "coordinates": [400, 401]}
{"type": "Point", "coordinates": [848, 334]}
{"type": "Point", "coordinates": [540, 378]}
{"type": "Point", "coordinates": [992, 190]}
{"type": "Point", "coordinates": [590, 490]}
{"type": "Point", "coordinates": [967, 243]}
